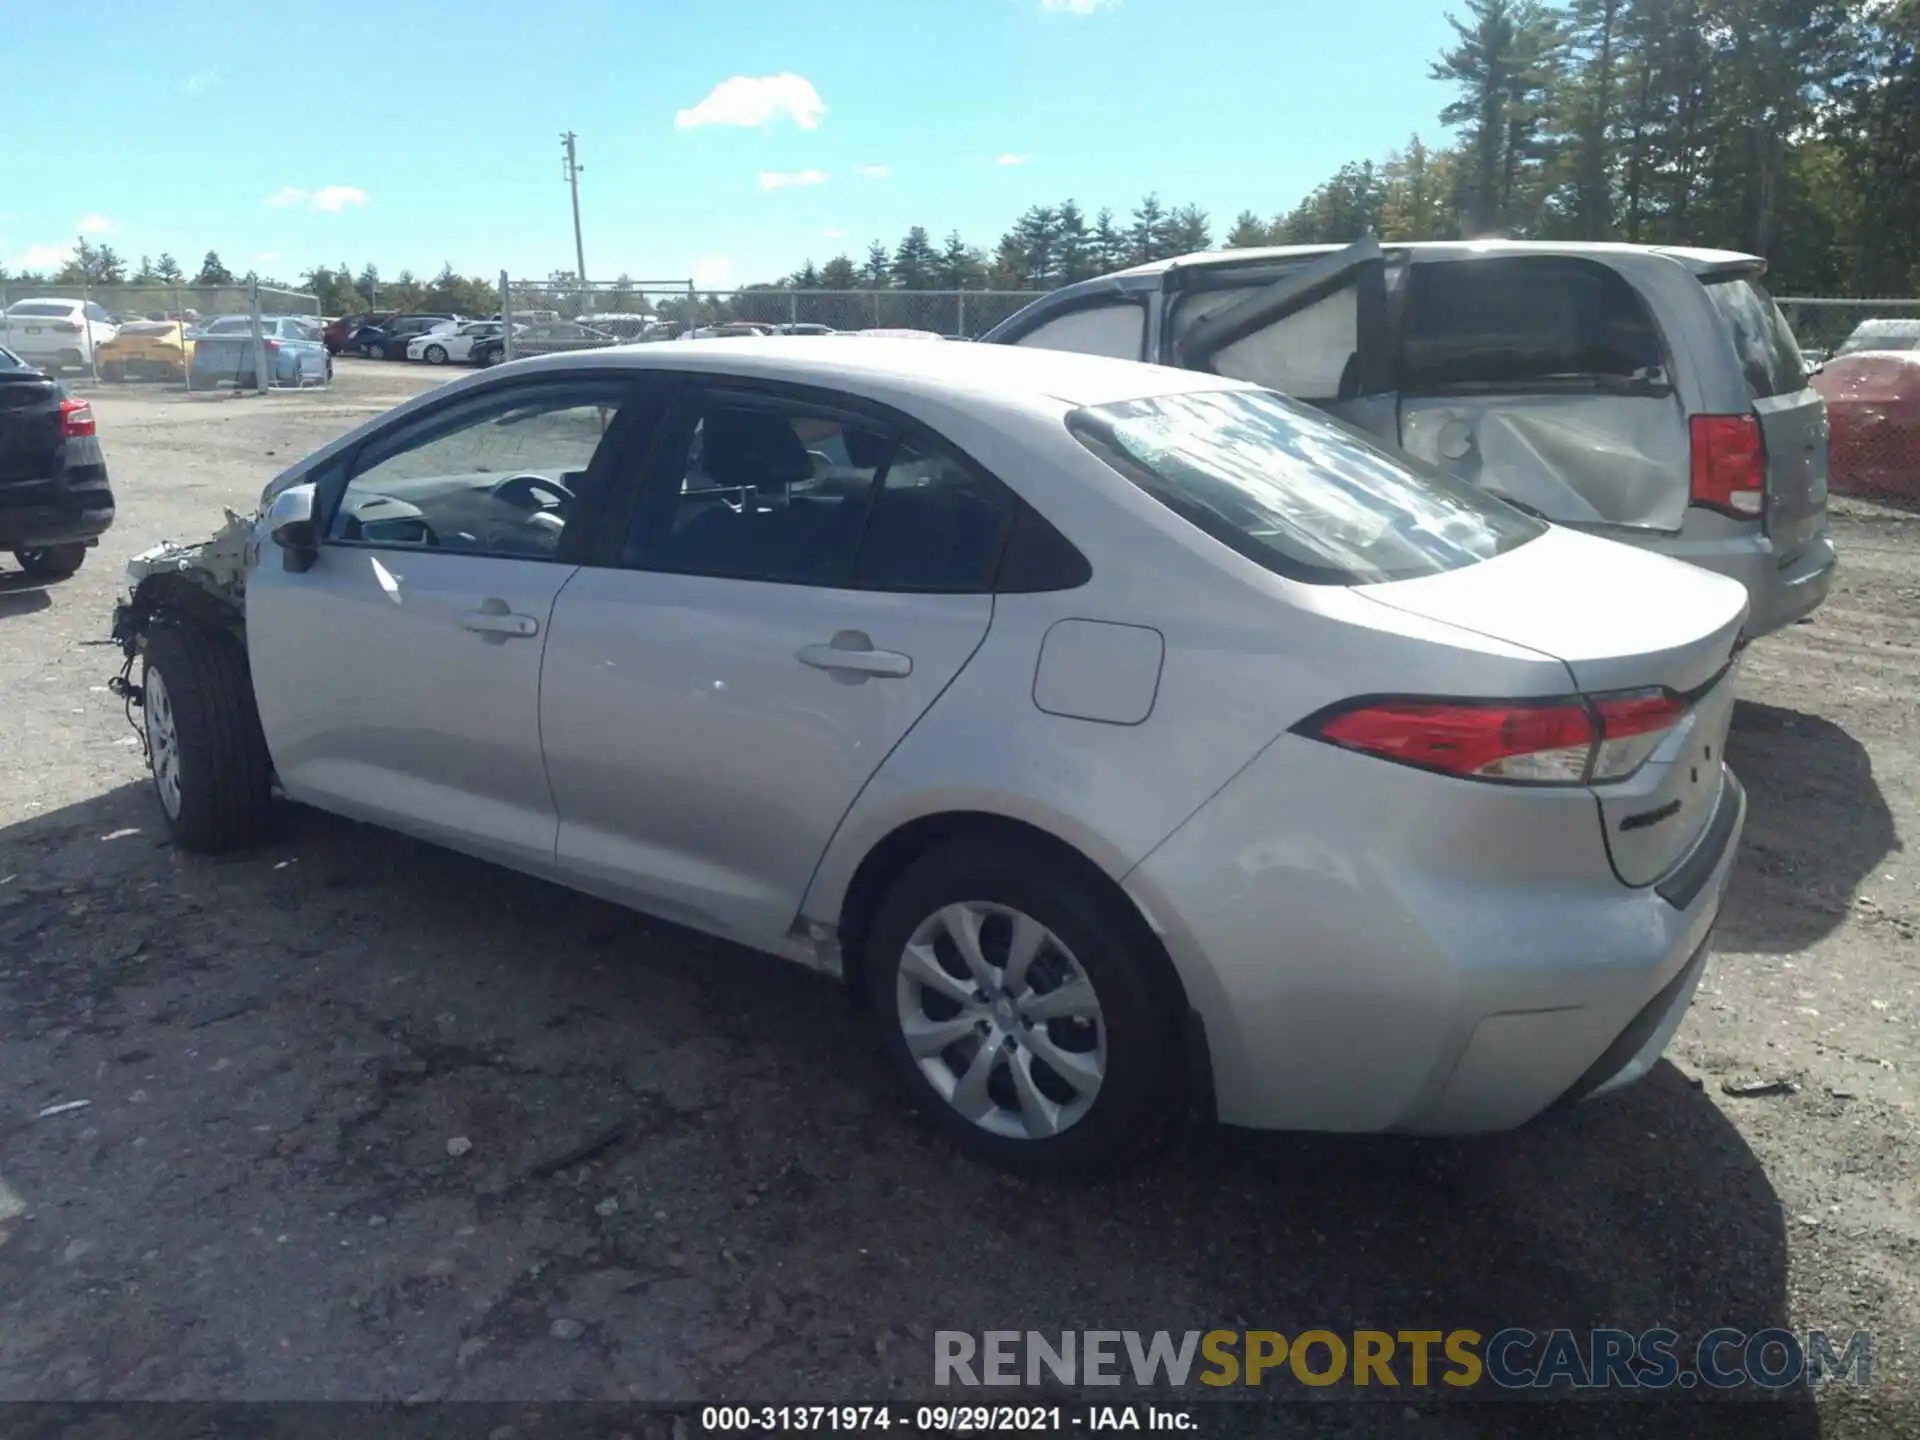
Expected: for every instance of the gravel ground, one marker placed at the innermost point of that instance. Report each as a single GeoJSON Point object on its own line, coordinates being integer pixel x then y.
{"type": "Point", "coordinates": [368, 1120]}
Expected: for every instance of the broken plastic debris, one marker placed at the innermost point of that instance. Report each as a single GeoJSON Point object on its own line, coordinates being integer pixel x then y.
{"type": "Point", "coordinates": [63, 1108]}
{"type": "Point", "coordinates": [459, 1145]}
{"type": "Point", "coordinates": [1751, 1089]}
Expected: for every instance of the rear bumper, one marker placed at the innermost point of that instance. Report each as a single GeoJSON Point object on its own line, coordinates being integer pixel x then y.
{"type": "Point", "coordinates": [74, 508]}
{"type": "Point", "coordinates": [1777, 595]}
{"type": "Point", "coordinates": [1349, 981]}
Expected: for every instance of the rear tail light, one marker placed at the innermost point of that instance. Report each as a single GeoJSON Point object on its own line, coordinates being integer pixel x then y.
{"type": "Point", "coordinates": [1631, 729]}
{"type": "Point", "coordinates": [65, 327]}
{"type": "Point", "coordinates": [1556, 742]}
{"type": "Point", "coordinates": [76, 419]}
{"type": "Point", "coordinates": [1729, 464]}
{"type": "Point", "coordinates": [273, 346]}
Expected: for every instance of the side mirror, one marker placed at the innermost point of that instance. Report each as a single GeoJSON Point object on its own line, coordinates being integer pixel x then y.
{"type": "Point", "coordinates": [290, 523]}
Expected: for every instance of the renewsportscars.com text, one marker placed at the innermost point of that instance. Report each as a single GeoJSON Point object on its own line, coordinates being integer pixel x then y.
{"type": "Point", "coordinates": [1508, 1359]}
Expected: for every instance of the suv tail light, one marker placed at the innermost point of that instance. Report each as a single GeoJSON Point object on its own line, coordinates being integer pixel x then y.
{"type": "Point", "coordinates": [273, 346]}
{"type": "Point", "coordinates": [1729, 464]}
{"type": "Point", "coordinates": [1597, 741]}
{"type": "Point", "coordinates": [65, 327]}
{"type": "Point", "coordinates": [76, 419]}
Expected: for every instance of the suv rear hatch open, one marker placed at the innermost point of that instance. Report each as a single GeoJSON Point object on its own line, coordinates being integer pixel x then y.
{"type": "Point", "coordinates": [1790, 415]}
{"type": "Point", "coordinates": [1635, 629]}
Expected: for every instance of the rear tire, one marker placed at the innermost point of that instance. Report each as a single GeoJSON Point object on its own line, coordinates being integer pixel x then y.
{"type": "Point", "coordinates": [113, 372]}
{"type": "Point", "coordinates": [209, 758]}
{"type": "Point", "coordinates": [1089, 1066]}
{"type": "Point", "coordinates": [51, 562]}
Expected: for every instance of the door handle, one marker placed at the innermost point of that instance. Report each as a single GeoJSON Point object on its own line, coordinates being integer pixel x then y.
{"type": "Point", "coordinates": [501, 622]}
{"type": "Point", "coordinates": [850, 656]}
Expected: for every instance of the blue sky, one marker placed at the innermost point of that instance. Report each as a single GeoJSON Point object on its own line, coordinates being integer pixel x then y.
{"type": "Point", "coordinates": [728, 140]}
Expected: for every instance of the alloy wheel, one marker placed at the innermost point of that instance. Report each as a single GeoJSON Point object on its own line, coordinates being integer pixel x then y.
{"type": "Point", "coordinates": [1001, 1019]}
{"type": "Point", "coordinates": [163, 740]}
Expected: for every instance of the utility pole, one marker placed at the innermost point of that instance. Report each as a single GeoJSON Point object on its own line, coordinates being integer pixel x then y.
{"type": "Point", "coordinates": [571, 170]}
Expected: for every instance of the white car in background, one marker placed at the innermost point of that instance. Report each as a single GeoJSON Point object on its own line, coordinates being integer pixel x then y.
{"type": "Point", "coordinates": [453, 343]}
{"type": "Point", "coordinates": [56, 334]}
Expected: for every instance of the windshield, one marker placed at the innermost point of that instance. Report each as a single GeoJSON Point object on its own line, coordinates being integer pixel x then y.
{"type": "Point", "coordinates": [1769, 355]}
{"type": "Point", "coordinates": [1297, 492]}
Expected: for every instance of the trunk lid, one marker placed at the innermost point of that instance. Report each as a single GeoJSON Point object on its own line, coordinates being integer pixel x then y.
{"type": "Point", "coordinates": [31, 444]}
{"type": "Point", "coordinates": [1619, 619]}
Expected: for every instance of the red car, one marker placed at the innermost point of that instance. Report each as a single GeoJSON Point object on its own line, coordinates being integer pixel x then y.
{"type": "Point", "coordinates": [1873, 410]}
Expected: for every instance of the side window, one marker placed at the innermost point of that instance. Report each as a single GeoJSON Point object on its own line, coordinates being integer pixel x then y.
{"type": "Point", "coordinates": [766, 490]}
{"type": "Point", "coordinates": [499, 475]}
{"type": "Point", "coordinates": [938, 525]}
{"type": "Point", "coordinates": [1116, 330]}
{"type": "Point", "coordinates": [98, 313]}
{"type": "Point", "coordinates": [1306, 354]}
{"type": "Point", "coordinates": [1523, 321]}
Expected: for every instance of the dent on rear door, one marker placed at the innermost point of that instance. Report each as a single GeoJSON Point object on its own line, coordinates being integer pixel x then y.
{"type": "Point", "coordinates": [1579, 459]}
{"type": "Point", "coordinates": [1545, 379]}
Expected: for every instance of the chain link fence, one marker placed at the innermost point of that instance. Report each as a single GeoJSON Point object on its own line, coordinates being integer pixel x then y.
{"type": "Point", "coordinates": [1824, 324]}
{"type": "Point", "coordinates": [148, 334]}
{"type": "Point", "coordinates": [1865, 355]}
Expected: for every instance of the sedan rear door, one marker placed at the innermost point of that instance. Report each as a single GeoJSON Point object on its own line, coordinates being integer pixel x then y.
{"type": "Point", "coordinates": [798, 580]}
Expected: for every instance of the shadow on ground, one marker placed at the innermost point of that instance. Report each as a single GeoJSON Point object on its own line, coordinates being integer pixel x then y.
{"type": "Point", "coordinates": [22, 594]}
{"type": "Point", "coordinates": [783, 1227]}
{"type": "Point", "coordinates": [1817, 827]}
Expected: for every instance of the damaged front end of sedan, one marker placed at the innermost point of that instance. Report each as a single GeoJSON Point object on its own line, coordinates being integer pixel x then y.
{"type": "Point", "coordinates": [203, 583]}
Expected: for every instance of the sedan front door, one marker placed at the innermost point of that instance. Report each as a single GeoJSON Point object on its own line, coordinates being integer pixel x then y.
{"type": "Point", "coordinates": [797, 583]}
{"type": "Point", "coordinates": [398, 677]}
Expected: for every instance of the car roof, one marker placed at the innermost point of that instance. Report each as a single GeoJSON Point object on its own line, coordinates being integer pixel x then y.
{"type": "Point", "coordinates": [877, 366]}
{"type": "Point", "coordinates": [1693, 257]}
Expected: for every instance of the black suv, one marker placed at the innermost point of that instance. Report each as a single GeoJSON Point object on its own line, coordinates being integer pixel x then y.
{"type": "Point", "coordinates": [54, 499]}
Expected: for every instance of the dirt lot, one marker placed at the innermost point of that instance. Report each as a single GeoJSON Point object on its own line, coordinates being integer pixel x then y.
{"type": "Point", "coordinates": [694, 1154]}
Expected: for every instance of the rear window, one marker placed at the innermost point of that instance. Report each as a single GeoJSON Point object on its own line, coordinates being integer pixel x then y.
{"type": "Point", "coordinates": [41, 307]}
{"type": "Point", "coordinates": [1769, 355]}
{"type": "Point", "coordinates": [1296, 491]}
{"type": "Point", "coordinates": [1523, 321]}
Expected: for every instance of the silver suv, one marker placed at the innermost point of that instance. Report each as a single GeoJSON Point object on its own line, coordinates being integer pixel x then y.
{"type": "Point", "coordinates": [1648, 394]}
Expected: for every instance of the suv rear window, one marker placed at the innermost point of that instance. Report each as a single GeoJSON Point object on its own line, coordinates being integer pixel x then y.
{"type": "Point", "coordinates": [1769, 355]}
{"type": "Point", "coordinates": [1296, 491]}
{"type": "Point", "coordinates": [42, 307]}
{"type": "Point", "coordinates": [1522, 321]}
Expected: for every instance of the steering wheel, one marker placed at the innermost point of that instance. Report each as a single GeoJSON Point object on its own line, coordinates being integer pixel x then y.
{"type": "Point", "coordinates": [520, 491]}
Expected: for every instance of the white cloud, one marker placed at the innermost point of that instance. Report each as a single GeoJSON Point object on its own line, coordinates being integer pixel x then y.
{"type": "Point", "coordinates": [335, 198]}
{"type": "Point", "coordinates": [1011, 159]}
{"type": "Point", "coordinates": [330, 198]}
{"type": "Point", "coordinates": [873, 172]}
{"type": "Point", "coordinates": [787, 179]}
{"type": "Point", "coordinates": [749, 101]}
{"type": "Point", "coordinates": [204, 80]}
{"type": "Point", "coordinates": [712, 273]}
{"type": "Point", "coordinates": [94, 224]}
{"type": "Point", "coordinates": [1077, 7]}
{"type": "Point", "coordinates": [266, 255]}
{"type": "Point", "coordinates": [835, 234]}
{"type": "Point", "coordinates": [43, 257]}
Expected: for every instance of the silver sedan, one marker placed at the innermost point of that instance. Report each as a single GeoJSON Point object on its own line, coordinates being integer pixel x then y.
{"type": "Point", "coordinates": [1135, 740]}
